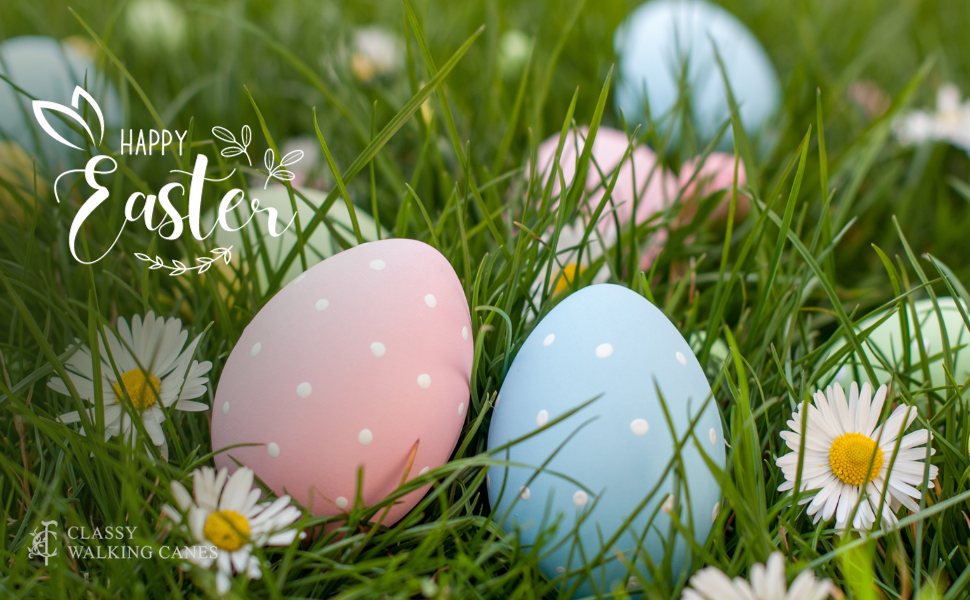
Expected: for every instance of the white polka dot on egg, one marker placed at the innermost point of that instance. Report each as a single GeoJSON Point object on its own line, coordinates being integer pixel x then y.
{"type": "Point", "coordinates": [423, 471]}
{"type": "Point", "coordinates": [542, 418]}
{"type": "Point", "coordinates": [560, 570]}
{"type": "Point", "coordinates": [424, 381]}
{"type": "Point", "coordinates": [377, 349]}
{"type": "Point", "coordinates": [639, 426]}
{"type": "Point", "coordinates": [430, 301]}
{"type": "Point", "coordinates": [464, 333]}
{"type": "Point", "coordinates": [273, 449]}
{"type": "Point", "coordinates": [549, 339]}
{"type": "Point", "coordinates": [300, 278]}
{"type": "Point", "coordinates": [322, 304]}
{"type": "Point", "coordinates": [716, 511]}
{"type": "Point", "coordinates": [668, 505]}
{"type": "Point", "coordinates": [580, 498]}
{"type": "Point", "coordinates": [377, 264]}
{"type": "Point", "coordinates": [681, 358]}
{"type": "Point", "coordinates": [225, 408]}
{"type": "Point", "coordinates": [256, 348]}
{"type": "Point", "coordinates": [524, 493]}
{"type": "Point", "coordinates": [304, 390]}
{"type": "Point", "coordinates": [713, 435]}
{"type": "Point", "coordinates": [461, 409]}
{"type": "Point", "coordinates": [365, 437]}
{"type": "Point", "coordinates": [604, 350]}
{"type": "Point", "coordinates": [341, 502]}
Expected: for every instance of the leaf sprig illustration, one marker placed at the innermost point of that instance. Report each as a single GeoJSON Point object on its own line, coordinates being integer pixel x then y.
{"type": "Point", "coordinates": [178, 267]}
{"type": "Point", "coordinates": [234, 148]}
{"type": "Point", "coordinates": [279, 171]}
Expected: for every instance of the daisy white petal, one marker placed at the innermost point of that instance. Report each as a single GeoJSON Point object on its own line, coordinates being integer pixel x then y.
{"type": "Point", "coordinates": [252, 568]}
{"type": "Point", "coordinates": [237, 490]}
{"type": "Point", "coordinates": [172, 513]}
{"type": "Point", "coordinates": [875, 410]}
{"type": "Point", "coordinates": [240, 558]}
{"type": "Point", "coordinates": [190, 406]}
{"type": "Point", "coordinates": [182, 496]}
{"type": "Point", "coordinates": [283, 538]}
{"type": "Point", "coordinates": [223, 584]}
{"type": "Point", "coordinates": [152, 427]}
{"type": "Point", "coordinates": [197, 519]}
{"type": "Point", "coordinates": [71, 417]}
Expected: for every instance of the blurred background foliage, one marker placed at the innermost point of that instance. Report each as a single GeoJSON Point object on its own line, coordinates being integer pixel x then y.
{"type": "Point", "coordinates": [828, 45]}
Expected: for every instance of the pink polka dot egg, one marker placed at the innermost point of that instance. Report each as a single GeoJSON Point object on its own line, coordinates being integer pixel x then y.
{"type": "Point", "coordinates": [352, 365]}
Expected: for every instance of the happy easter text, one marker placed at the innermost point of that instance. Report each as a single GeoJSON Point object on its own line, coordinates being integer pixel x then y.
{"type": "Point", "coordinates": [155, 141]}
{"type": "Point", "coordinates": [140, 206]}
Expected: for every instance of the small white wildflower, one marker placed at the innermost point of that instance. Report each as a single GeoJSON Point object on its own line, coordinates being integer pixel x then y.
{"type": "Point", "coordinates": [949, 124]}
{"type": "Point", "coordinates": [376, 52]}
{"type": "Point", "coordinates": [229, 520]}
{"type": "Point", "coordinates": [766, 583]}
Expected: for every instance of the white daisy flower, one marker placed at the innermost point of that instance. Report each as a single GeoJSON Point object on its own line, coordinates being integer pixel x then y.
{"type": "Point", "coordinates": [949, 124]}
{"type": "Point", "coordinates": [227, 523]}
{"type": "Point", "coordinates": [767, 583]}
{"type": "Point", "coordinates": [376, 52]}
{"type": "Point", "coordinates": [844, 437]}
{"type": "Point", "coordinates": [168, 380]}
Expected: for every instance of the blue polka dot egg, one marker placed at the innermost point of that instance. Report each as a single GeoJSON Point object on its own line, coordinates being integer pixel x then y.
{"type": "Point", "coordinates": [608, 471]}
{"type": "Point", "coordinates": [661, 36]}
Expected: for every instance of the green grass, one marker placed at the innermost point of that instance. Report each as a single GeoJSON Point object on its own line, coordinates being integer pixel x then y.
{"type": "Point", "coordinates": [837, 232]}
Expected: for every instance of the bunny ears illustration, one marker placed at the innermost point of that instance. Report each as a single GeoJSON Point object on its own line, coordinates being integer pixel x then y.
{"type": "Point", "coordinates": [40, 105]}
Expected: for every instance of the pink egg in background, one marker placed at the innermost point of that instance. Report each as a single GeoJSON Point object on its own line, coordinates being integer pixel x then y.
{"type": "Point", "coordinates": [657, 187]}
{"type": "Point", "coordinates": [349, 366]}
{"type": "Point", "coordinates": [717, 173]}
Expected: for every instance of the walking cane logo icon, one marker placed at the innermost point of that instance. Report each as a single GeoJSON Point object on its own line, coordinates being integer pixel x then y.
{"type": "Point", "coordinates": [41, 543]}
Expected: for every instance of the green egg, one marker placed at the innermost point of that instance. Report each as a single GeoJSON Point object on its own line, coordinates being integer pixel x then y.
{"type": "Point", "coordinates": [318, 246]}
{"type": "Point", "coordinates": [884, 346]}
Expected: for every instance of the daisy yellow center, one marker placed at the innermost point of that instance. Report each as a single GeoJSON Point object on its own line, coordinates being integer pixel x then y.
{"type": "Point", "coordinates": [566, 277]}
{"type": "Point", "coordinates": [227, 529]}
{"type": "Point", "coordinates": [362, 67]}
{"type": "Point", "coordinates": [850, 456]}
{"type": "Point", "coordinates": [140, 390]}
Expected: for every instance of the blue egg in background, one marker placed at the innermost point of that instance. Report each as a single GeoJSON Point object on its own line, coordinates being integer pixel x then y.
{"type": "Point", "coordinates": [49, 70]}
{"type": "Point", "coordinates": [652, 45]}
{"type": "Point", "coordinates": [604, 340]}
